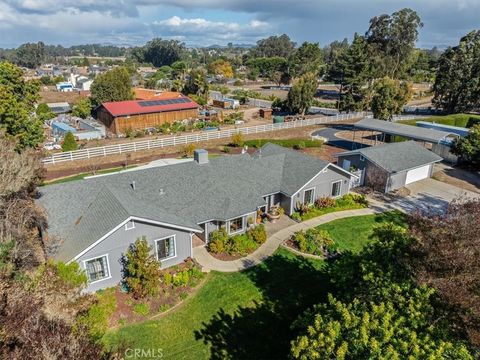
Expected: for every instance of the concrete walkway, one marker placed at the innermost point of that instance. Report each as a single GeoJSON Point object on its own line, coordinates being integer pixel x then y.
{"type": "Point", "coordinates": [208, 262]}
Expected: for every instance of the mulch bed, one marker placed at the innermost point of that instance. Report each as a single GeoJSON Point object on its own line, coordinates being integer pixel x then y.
{"type": "Point", "coordinates": [225, 256]}
{"type": "Point", "coordinates": [167, 298]}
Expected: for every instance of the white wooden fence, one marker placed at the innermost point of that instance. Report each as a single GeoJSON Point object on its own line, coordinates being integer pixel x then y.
{"type": "Point", "coordinates": [129, 147]}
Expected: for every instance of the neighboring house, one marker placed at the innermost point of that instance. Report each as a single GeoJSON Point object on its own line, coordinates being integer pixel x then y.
{"type": "Point", "coordinates": [390, 166]}
{"type": "Point", "coordinates": [65, 86]}
{"type": "Point", "coordinates": [122, 116]}
{"type": "Point", "coordinates": [82, 129]}
{"type": "Point", "coordinates": [99, 218]}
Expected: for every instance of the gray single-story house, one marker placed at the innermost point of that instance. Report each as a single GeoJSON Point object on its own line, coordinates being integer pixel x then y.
{"type": "Point", "coordinates": [97, 219]}
{"type": "Point", "coordinates": [390, 166]}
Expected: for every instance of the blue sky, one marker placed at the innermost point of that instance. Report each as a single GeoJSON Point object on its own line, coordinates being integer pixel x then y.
{"type": "Point", "coordinates": [206, 22]}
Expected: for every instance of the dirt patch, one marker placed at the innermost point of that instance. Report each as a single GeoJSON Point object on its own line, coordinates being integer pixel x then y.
{"type": "Point", "coordinates": [359, 136]}
{"type": "Point", "coordinates": [458, 177]}
{"type": "Point", "coordinates": [325, 153]}
{"type": "Point", "coordinates": [59, 96]}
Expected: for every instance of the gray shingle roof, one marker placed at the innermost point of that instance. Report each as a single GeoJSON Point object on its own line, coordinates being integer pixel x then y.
{"type": "Point", "coordinates": [396, 157]}
{"type": "Point", "coordinates": [408, 131]}
{"type": "Point", "coordinates": [186, 194]}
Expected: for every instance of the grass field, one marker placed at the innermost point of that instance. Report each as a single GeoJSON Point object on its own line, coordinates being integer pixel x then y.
{"type": "Point", "coordinates": [353, 233]}
{"type": "Point", "coordinates": [461, 120]}
{"type": "Point", "coordinates": [248, 314]}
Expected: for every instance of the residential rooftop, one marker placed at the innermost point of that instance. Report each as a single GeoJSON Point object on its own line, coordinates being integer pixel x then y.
{"type": "Point", "coordinates": [182, 195]}
{"type": "Point", "coordinates": [396, 157]}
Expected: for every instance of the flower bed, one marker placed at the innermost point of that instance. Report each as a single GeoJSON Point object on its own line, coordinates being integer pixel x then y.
{"type": "Point", "coordinates": [327, 205]}
{"type": "Point", "coordinates": [313, 241]}
{"type": "Point", "coordinates": [227, 247]}
{"type": "Point", "coordinates": [177, 283]}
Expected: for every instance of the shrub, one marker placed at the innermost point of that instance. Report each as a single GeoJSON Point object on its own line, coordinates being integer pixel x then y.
{"type": "Point", "coordinates": [237, 139]}
{"type": "Point", "coordinates": [141, 270]}
{"type": "Point", "coordinates": [226, 149]}
{"type": "Point", "coordinates": [325, 202]}
{"type": "Point", "coordinates": [296, 216]}
{"type": "Point", "coordinates": [302, 208]}
{"type": "Point", "coordinates": [258, 234]}
{"type": "Point", "coordinates": [218, 241]}
{"type": "Point", "coordinates": [299, 146]}
{"type": "Point", "coordinates": [352, 199]}
{"type": "Point", "coordinates": [242, 244]}
{"type": "Point", "coordinates": [181, 278]}
{"type": "Point", "coordinates": [188, 150]}
{"type": "Point", "coordinates": [69, 142]}
{"type": "Point", "coordinates": [314, 241]}
{"type": "Point", "coordinates": [141, 309]}
{"type": "Point", "coordinates": [97, 317]}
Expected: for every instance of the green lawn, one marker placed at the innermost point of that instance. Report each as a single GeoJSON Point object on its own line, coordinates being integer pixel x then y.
{"type": "Point", "coordinates": [353, 233]}
{"type": "Point", "coordinates": [461, 120]}
{"type": "Point", "coordinates": [245, 315]}
{"type": "Point", "coordinates": [248, 314]}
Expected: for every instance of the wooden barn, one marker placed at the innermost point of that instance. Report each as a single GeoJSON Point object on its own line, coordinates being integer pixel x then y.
{"type": "Point", "coordinates": [121, 116]}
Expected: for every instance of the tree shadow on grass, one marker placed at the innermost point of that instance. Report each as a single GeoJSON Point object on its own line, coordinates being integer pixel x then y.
{"type": "Point", "coordinates": [289, 286]}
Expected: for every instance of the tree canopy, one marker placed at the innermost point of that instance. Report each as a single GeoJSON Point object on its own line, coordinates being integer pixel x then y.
{"type": "Point", "coordinates": [389, 97]}
{"type": "Point", "coordinates": [82, 108]}
{"type": "Point", "coordinates": [457, 84]}
{"type": "Point", "coordinates": [17, 107]}
{"type": "Point", "coordinates": [159, 52]}
{"type": "Point", "coordinates": [307, 58]}
{"type": "Point", "coordinates": [273, 46]}
{"type": "Point", "coordinates": [30, 55]}
{"type": "Point", "coordinates": [300, 96]}
{"type": "Point", "coordinates": [114, 85]}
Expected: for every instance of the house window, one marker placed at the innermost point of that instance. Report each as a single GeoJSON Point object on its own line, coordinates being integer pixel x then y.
{"type": "Point", "coordinates": [166, 248]}
{"type": "Point", "coordinates": [308, 196]}
{"type": "Point", "coordinates": [362, 158]}
{"type": "Point", "coordinates": [130, 225]}
{"type": "Point", "coordinates": [97, 269]}
{"type": "Point", "coordinates": [236, 225]}
{"type": "Point", "coordinates": [336, 187]}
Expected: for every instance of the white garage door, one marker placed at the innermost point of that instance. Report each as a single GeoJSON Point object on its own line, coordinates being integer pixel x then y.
{"type": "Point", "coordinates": [417, 174]}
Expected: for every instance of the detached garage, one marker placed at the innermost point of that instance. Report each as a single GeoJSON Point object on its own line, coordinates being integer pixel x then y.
{"type": "Point", "coordinates": [390, 166]}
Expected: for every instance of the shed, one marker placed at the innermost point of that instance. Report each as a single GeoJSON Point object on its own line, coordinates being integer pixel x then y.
{"type": "Point", "coordinates": [391, 166]}
{"type": "Point", "coordinates": [266, 113]}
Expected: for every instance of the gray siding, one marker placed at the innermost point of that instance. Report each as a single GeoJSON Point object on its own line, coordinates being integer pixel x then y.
{"type": "Point", "coordinates": [215, 225]}
{"type": "Point", "coordinates": [117, 244]}
{"type": "Point", "coordinates": [354, 161]}
{"type": "Point", "coordinates": [322, 183]}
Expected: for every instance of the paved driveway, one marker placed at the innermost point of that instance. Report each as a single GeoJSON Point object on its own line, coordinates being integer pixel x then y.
{"type": "Point", "coordinates": [430, 193]}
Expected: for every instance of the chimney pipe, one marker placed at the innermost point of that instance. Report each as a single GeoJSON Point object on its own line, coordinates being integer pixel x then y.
{"type": "Point", "coordinates": [133, 185]}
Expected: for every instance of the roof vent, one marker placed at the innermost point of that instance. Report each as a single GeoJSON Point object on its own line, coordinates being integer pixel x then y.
{"type": "Point", "coordinates": [161, 192]}
{"type": "Point", "coordinates": [200, 156]}
{"type": "Point", "coordinates": [133, 185]}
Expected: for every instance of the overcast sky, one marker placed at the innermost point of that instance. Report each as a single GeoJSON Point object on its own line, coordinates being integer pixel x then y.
{"type": "Point", "coordinates": [206, 22]}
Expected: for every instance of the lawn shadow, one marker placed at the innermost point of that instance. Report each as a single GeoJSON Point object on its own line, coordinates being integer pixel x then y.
{"type": "Point", "coordinates": [289, 285]}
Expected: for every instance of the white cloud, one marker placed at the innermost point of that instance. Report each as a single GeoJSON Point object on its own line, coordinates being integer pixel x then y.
{"type": "Point", "coordinates": [206, 32]}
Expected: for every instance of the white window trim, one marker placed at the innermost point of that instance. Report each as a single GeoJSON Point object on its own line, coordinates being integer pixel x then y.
{"type": "Point", "coordinates": [174, 236]}
{"type": "Point", "coordinates": [313, 196]}
{"type": "Point", "coordinates": [331, 188]}
{"type": "Point", "coordinates": [238, 231]}
{"type": "Point", "coordinates": [129, 227]}
{"type": "Point", "coordinates": [108, 268]}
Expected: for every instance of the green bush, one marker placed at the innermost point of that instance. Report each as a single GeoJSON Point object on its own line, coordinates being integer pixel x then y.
{"type": "Point", "coordinates": [242, 245]}
{"type": "Point", "coordinates": [258, 234]}
{"type": "Point", "coordinates": [181, 278]}
{"type": "Point", "coordinates": [141, 309]}
{"type": "Point", "coordinates": [96, 319]}
{"type": "Point", "coordinates": [226, 149]}
{"type": "Point", "coordinates": [352, 199]}
{"type": "Point", "coordinates": [237, 139]}
{"type": "Point", "coordinates": [299, 146]}
{"type": "Point", "coordinates": [313, 241]}
{"type": "Point", "coordinates": [218, 241]}
{"type": "Point", "coordinates": [296, 216]}
{"type": "Point", "coordinates": [69, 142]}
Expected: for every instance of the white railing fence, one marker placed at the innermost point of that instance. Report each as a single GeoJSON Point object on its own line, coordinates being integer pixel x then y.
{"type": "Point", "coordinates": [186, 139]}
